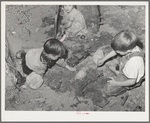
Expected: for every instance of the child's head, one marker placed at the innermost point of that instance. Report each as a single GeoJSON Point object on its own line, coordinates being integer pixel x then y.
{"type": "Point", "coordinates": [54, 49]}
{"type": "Point", "coordinates": [68, 8]}
{"type": "Point", "coordinates": [124, 42]}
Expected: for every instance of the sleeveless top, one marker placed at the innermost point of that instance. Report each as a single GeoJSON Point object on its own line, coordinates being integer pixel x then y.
{"type": "Point", "coordinates": [124, 59]}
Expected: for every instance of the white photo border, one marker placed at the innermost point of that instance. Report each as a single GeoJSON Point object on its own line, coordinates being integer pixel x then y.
{"type": "Point", "coordinates": [73, 116]}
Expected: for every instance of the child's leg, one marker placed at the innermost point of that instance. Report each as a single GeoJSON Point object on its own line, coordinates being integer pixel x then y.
{"type": "Point", "coordinates": [25, 68]}
{"type": "Point", "coordinates": [21, 55]}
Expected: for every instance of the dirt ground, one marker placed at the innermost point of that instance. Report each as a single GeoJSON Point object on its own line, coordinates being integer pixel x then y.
{"type": "Point", "coordinates": [25, 29]}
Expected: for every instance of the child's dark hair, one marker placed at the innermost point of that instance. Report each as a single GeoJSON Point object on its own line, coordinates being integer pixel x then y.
{"type": "Point", "coordinates": [124, 40]}
{"type": "Point", "coordinates": [55, 47]}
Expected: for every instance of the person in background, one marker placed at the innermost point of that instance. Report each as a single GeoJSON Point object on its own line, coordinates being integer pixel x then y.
{"type": "Point", "coordinates": [73, 23]}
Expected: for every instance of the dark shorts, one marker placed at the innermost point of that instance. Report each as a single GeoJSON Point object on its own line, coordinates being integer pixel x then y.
{"type": "Point", "coordinates": [25, 68]}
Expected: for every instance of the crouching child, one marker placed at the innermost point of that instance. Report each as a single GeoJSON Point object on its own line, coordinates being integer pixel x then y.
{"type": "Point", "coordinates": [73, 23]}
{"type": "Point", "coordinates": [36, 62]}
{"type": "Point", "coordinates": [130, 69]}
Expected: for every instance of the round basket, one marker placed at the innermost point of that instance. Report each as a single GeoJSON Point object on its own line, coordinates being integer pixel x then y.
{"type": "Point", "coordinates": [34, 80]}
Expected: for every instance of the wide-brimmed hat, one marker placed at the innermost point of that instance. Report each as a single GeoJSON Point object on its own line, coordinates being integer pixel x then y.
{"type": "Point", "coordinates": [34, 80]}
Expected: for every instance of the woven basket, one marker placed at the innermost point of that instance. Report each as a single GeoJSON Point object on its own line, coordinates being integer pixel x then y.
{"type": "Point", "coordinates": [34, 80]}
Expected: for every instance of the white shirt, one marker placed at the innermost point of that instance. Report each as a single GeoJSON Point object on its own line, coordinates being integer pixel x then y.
{"type": "Point", "coordinates": [134, 68]}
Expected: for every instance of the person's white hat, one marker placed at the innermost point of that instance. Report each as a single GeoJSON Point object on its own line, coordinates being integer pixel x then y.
{"type": "Point", "coordinates": [34, 80]}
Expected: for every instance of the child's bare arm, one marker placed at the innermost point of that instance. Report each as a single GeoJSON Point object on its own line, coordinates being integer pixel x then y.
{"type": "Point", "coordinates": [108, 56]}
{"type": "Point", "coordinates": [127, 82]}
{"type": "Point", "coordinates": [70, 68]}
{"type": "Point", "coordinates": [62, 63]}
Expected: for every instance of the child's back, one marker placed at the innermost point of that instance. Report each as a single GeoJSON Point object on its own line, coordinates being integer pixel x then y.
{"type": "Point", "coordinates": [33, 61]}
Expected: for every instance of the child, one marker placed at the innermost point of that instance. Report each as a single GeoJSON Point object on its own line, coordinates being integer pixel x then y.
{"type": "Point", "coordinates": [131, 63]}
{"type": "Point", "coordinates": [73, 23]}
{"type": "Point", "coordinates": [39, 60]}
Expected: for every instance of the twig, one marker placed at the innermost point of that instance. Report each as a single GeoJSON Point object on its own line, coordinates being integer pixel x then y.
{"type": "Point", "coordinates": [124, 100]}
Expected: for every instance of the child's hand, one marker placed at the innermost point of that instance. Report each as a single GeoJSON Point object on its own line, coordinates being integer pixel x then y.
{"type": "Point", "coordinates": [100, 62]}
{"type": "Point", "coordinates": [111, 82]}
{"type": "Point", "coordinates": [71, 68]}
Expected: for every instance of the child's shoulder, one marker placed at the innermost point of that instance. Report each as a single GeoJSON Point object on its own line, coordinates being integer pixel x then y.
{"type": "Point", "coordinates": [137, 48]}
{"type": "Point", "coordinates": [136, 57]}
{"type": "Point", "coordinates": [137, 52]}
